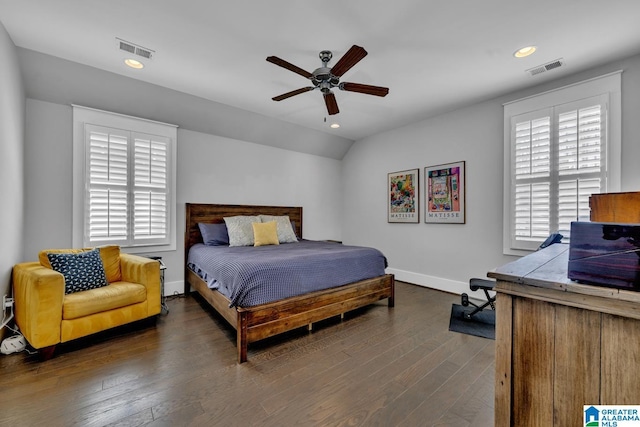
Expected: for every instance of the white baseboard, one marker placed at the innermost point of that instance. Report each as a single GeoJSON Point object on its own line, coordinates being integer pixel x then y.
{"type": "Point", "coordinates": [433, 282]}
{"type": "Point", "coordinates": [172, 288]}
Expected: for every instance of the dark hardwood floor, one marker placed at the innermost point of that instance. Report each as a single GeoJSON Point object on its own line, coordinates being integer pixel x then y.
{"type": "Point", "coordinates": [377, 367]}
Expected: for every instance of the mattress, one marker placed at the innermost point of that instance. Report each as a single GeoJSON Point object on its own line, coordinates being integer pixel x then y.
{"type": "Point", "coordinates": [250, 276]}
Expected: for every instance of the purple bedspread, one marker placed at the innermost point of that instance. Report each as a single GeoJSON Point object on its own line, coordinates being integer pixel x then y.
{"type": "Point", "coordinates": [251, 275]}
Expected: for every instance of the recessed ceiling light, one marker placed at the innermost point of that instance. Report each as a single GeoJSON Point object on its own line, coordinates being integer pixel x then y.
{"type": "Point", "coordinates": [525, 51]}
{"type": "Point", "coordinates": [335, 125]}
{"type": "Point", "coordinates": [134, 63]}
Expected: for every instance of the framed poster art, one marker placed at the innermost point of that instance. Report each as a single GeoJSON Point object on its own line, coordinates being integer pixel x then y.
{"type": "Point", "coordinates": [445, 193]}
{"type": "Point", "coordinates": [403, 196]}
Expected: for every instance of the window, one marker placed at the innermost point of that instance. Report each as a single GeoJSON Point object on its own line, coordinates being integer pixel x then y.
{"type": "Point", "coordinates": [560, 147]}
{"type": "Point", "coordinates": [124, 193]}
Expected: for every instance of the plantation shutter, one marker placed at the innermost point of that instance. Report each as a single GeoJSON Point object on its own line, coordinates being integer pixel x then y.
{"type": "Point", "coordinates": [532, 169]}
{"type": "Point", "coordinates": [107, 184]}
{"type": "Point", "coordinates": [558, 161]}
{"type": "Point", "coordinates": [581, 158]}
{"type": "Point", "coordinates": [151, 187]}
{"type": "Point", "coordinates": [128, 183]}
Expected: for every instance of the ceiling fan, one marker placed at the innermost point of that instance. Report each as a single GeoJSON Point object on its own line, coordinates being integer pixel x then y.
{"type": "Point", "coordinates": [326, 78]}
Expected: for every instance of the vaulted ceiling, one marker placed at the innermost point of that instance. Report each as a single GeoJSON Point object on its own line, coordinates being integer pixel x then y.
{"type": "Point", "coordinates": [434, 56]}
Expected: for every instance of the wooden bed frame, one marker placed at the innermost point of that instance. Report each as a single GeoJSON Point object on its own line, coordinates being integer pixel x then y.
{"type": "Point", "coordinates": [266, 320]}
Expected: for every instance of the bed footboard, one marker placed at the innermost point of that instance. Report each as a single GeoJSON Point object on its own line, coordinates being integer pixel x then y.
{"type": "Point", "coordinates": [259, 322]}
{"type": "Point", "coordinates": [263, 321]}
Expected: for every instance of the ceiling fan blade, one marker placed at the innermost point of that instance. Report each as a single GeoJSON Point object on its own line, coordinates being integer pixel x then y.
{"type": "Point", "coordinates": [289, 66]}
{"type": "Point", "coordinates": [366, 89]}
{"type": "Point", "coordinates": [292, 93]}
{"type": "Point", "coordinates": [348, 60]}
{"type": "Point", "coordinates": [332, 104]}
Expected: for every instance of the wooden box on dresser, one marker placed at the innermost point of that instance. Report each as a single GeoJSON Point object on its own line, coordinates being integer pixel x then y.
{"type": "Point", "coordinates": [561, 344]}
{"type": "Point", "coordinates": [621, 208]}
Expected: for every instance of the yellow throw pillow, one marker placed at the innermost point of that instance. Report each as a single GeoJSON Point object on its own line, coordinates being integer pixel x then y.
{"type": "Point", "coordinates": [110, 259]}
{"type": "Point", "coordinates": [265, 233]}
{"type": "Point", "coordinates": [44, 259]}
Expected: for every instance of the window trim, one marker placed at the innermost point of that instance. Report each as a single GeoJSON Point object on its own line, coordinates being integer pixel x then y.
{"type": "Point", "coordinates": [86, 115]}
{"type": "Point", "coordinates": [609, 84]}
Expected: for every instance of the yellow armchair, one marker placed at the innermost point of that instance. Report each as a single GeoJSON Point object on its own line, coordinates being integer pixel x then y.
{"type": "Point", "coordinates": [47, 316]}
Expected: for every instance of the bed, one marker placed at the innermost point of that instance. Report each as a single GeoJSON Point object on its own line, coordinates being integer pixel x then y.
{"type": "Point", "coordinates": [257, 322]}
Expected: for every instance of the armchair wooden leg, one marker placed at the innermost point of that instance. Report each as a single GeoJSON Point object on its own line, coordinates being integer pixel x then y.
{"type": "Point", "coordinates": [46, 353]}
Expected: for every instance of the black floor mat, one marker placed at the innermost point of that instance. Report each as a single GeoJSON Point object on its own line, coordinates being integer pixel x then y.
{"type": "Point", "coordinates": [482, 324]}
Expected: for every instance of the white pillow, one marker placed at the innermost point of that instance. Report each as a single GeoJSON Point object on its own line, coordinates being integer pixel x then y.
{"type": "Point", "coordinates": [284, 228]}
{"type": "Point", "coordinates": [240, 229]}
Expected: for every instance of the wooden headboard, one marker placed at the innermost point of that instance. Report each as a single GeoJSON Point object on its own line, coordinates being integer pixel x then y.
{"type": "Point", "coordinates": [200, 212]}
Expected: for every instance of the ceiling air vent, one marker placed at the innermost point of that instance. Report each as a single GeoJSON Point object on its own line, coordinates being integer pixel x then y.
{"type": "Point", "coordinates": [135, 49]}
{"type": "Point", "coordinates": [546, 67]}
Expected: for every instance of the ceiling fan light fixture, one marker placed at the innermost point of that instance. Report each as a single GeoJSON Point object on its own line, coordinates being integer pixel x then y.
{"type": "Point", "coordinates": [134, 63]}
{"type": "Point", "coordinates": [525, 51]}
{"type": "Point", "coordinates": [325, 56]}
{"type": "Point", "coordinates": [335, 125]}
{"type": "Point", "coordinates": [326, 78]}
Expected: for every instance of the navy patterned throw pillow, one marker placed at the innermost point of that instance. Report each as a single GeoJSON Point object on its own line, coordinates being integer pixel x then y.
{"type": "Point", "coordinates": [81, 271]}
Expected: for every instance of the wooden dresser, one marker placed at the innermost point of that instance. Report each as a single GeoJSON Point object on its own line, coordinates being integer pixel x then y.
{"type": "Point", "coordinates": [560, 344]}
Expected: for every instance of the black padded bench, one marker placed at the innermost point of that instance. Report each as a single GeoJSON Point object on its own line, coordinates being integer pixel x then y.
{"type": "Point", "coordinates": [486, 285]}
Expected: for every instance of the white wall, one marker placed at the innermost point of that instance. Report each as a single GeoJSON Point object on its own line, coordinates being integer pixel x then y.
{"type": "Point", "coordinates": [48, 172]}
{"type": "Point", "coordinates": [211, 169]}
{"type": "Point", "coordinates": [12, 121]}
{"type": "Point", "coordinates": [441, 255]}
